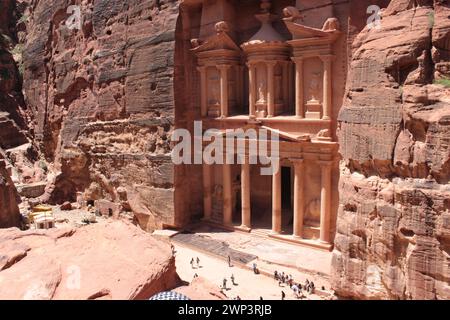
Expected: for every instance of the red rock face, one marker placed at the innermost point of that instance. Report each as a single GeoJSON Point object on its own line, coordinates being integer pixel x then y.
{"type": "Point", "coordinates": [9, 211]}
{"type": "Point", "coordinates": [393, 226]}
{"type": "Point", "coordinates": [13, 115]}
{"type": "Point", "coordinates": [103, 102]}
{"type": "Point", "coordinates": [105, 261]}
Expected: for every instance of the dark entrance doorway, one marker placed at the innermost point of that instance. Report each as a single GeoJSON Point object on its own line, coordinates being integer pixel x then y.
{"type": "Point", "coordinates": [286, 200]}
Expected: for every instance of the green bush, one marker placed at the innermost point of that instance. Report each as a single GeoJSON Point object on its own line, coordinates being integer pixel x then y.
{"type": "Point", "coordinates": [445, 82]}
{"type": "Point", "coordinates": [23, 19]}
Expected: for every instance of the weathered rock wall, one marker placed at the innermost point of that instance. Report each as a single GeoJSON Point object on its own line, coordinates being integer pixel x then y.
{"type": "Point", "coordinates": [9, 210]}
{"type": "Point", "coordinates": [13, 115]}
{"type": "Point", "coordinates": [103, 101]}
{"type": "Point", "coordinates": [393, 224]}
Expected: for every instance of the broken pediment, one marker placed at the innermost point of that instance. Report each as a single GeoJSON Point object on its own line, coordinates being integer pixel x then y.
{"type": "Point", "coordinates": [221, 41]}
{"type": "Point", "coordinates": [329, 32]}
{"type": "Point", "coordinates": [300, 31]}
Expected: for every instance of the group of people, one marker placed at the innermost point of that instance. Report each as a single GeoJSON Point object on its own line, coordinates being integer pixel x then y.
{"type": "Point", "coordinates": [225, 280]}
{"type": "Point", "coordinates": [296, 287]}
{"type": "Point", "coordinates": [194, 261]}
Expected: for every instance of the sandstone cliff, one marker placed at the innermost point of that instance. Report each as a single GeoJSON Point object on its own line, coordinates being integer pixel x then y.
{"type": "Point", "coordinates": [103, 101]}
{"type": "Point", "coordinates": [393, 229]}
{"type": "Point", "coordinates": [9, 210]}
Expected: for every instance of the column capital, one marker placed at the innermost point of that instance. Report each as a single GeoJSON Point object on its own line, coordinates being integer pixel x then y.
{"type": "Point", "coordinates": [325, 163]}
{"type": "Point", "coordinates": [201, 68]}
{"type": "Point", "coordinates": [297, 161]}
{"type": "Point", "coordinates": [224, 67]}
{"type": "Point", "coordinates": [297, 59]}
{"type": "Point", "coordinates": [327, 57]}
{"type": "Point", "coordinates": [271, 64]}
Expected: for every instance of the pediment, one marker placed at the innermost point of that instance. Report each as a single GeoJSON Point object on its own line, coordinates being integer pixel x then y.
{"type": "Point", "coordinates": [300, 32]}
{"type": "Point", "coordinates": [220, 41]}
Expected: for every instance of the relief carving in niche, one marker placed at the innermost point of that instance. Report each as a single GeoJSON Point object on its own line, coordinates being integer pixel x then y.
{"type": "Point", "coordinates": [314, 88]}
{"type": "Point", "coordinates": [313, 213]}
{"type": "Point", "coordinates": [213, 92]}
{"type": "Point", "coordinates": [262, 92]}
{"type": "Point", "coordinates": [313, 106]}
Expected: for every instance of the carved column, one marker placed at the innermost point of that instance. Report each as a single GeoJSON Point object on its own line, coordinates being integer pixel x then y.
{"type": "Point", "coordinates": [245, 193]}
{"type": "Point", "coordinates": [240, 86]}
{"type": "Point", "coordinates": [276, 202]}
{"type": "Point", "coordinates": [252, 88]}
{"type": "Point", "coordinates": [227, 195]}
{"type": "Point", "coordinates": [270, 89]}
{"type": "Point", "coordinates": [207, 192]}
{"type": "Point", "coordinates": [325, 201]}
{"type": "Point", "coordinates": [223, 90]}
{"type": "Point", "coordinates": [291, 86]}
{"type": "Point", "coordinates": [204, 91]}
{"type": "Point", "coordinates": [286, 84]}
{"type": "Point", "coordinates": [327, 87]}
{"type": "Point", "coordinates": [299, 197]}
{"type": "Point", "coordinates": [299, 106]}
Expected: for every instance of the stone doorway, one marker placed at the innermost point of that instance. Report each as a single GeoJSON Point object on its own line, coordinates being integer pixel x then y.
{"type": "Point", "coordinates": [287, 204]}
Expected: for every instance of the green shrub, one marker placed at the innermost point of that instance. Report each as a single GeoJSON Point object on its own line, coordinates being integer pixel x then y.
{"type": "Point", "coordinates": [23, 19]}
{"type": "Point", "coordinates": [445, 82]}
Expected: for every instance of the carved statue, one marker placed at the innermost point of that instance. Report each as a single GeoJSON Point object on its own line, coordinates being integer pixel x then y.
{"type": "Point", "coordinates": [215, 92]}
{"type": "Point", "coordinates": [218, 191]}
{"type": "Point", "coordinates": [314, 87]}
{"type": "Point", "coordinates": [332, 24]}
{"type": "Point", "coordinates": [325, 133]}
{"type": "Point", "coordinates": [313, 210]}
{"type": "Point", "coordinates": [195, 43]}
{"type": "Point", "coordinates": [292, 14]}
{"type": "Point", "coordinates": [262, 92]}
{"type": "Point", "coordinates": [222, 27]}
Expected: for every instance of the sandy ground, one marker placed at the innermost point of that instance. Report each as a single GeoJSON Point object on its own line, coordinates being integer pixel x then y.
{"type": "Point", "coordinates": [249, 286]}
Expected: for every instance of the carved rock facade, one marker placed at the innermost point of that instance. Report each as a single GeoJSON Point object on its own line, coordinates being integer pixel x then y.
{"type": "Point", "coordinates": [393, 223]}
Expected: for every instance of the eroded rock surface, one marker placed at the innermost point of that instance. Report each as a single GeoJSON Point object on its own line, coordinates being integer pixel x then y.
{"type": "Point", "coordinates": [393, 225]}
{"type": "Point", "coordinates": [201, 289]}
{"type": "Point", "coordinates": [103, 102]}
{"type": "Point", "coordinates": [114, 260]}
{"type": "Point", "coordinates": [9, 210]}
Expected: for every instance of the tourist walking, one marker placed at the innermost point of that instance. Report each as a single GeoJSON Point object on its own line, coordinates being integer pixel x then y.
{"type": "Point", "coordinates": [255, 268]}
{"type": "Point", "coordinates": [192, 263]}
{"type": "Point", "coordinates": [232, 280]}
{"type": "Point", "coordinates": [198, 262]}
{"type": "Point", "coordinates": [283, 295]}
{"type": "Point", "coordinates": [224, 283]}
{"type": "Point", "coordinates": [229, 261]}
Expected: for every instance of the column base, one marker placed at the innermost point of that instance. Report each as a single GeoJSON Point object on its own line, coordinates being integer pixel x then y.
{"type": "Point", "coordinates": [243, 228]}
{"type": "Point", "coordinates": [326, 118]}
{"type": "Point", "coordinates": [304, 242]}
